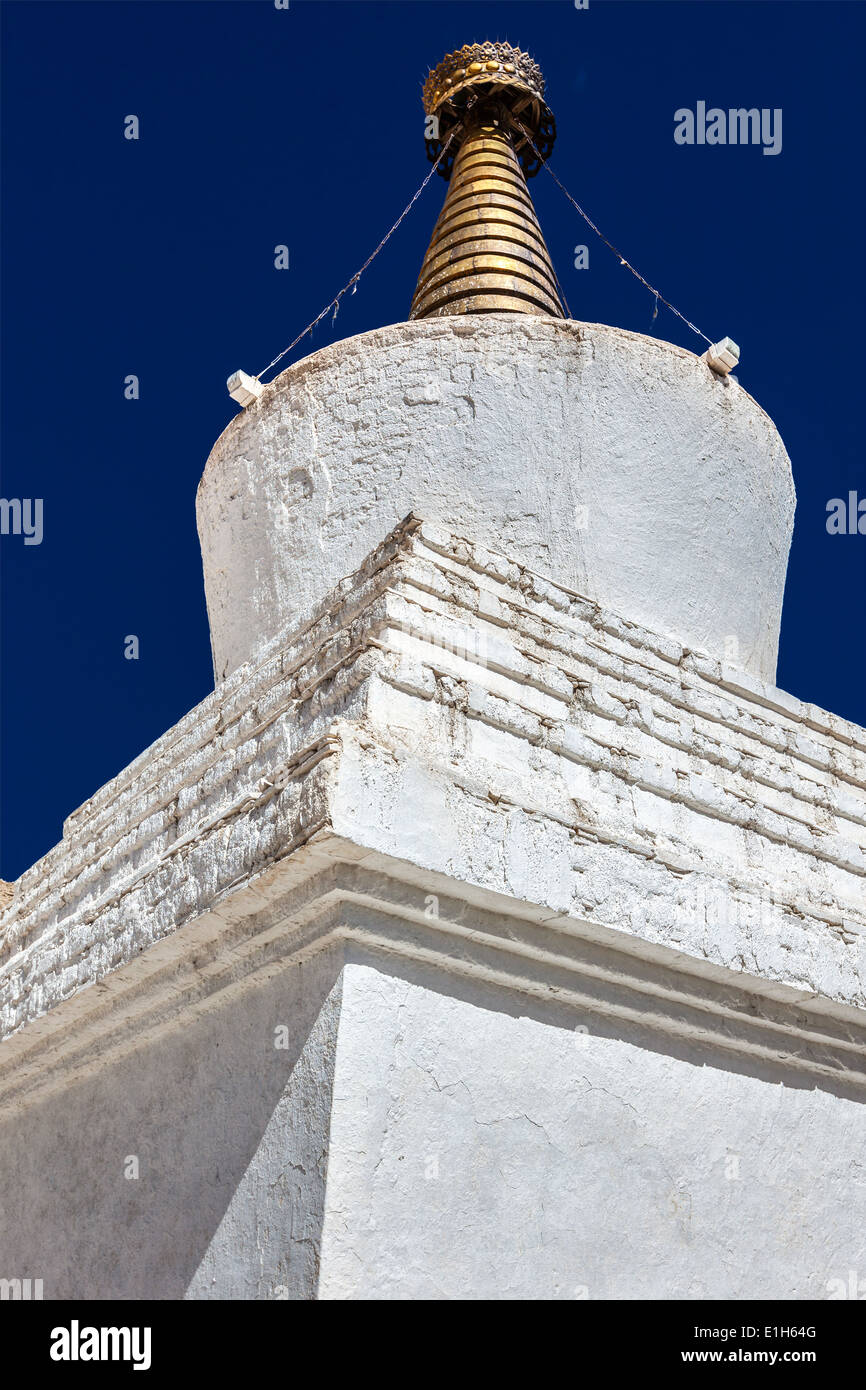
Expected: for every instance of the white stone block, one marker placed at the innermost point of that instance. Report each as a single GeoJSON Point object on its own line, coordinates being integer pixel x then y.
{"type": "Point", "coordinates": [723, 356]}
{"type": "Point", "coordinates": [243, 388]}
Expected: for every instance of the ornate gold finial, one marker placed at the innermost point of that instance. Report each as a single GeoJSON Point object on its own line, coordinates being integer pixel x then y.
{"type": "Point", "coordinates": [481, 71]}
{"type": "Point", "coordinates": [487, 253]}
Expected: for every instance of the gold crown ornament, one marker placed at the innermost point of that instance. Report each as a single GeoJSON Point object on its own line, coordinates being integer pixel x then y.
{"type": "Point", "coordinates": [488, 73]}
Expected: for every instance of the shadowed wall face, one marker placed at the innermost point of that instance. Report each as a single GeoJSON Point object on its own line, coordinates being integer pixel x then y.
{"type": "Point", "coordinates": [194, 1167]}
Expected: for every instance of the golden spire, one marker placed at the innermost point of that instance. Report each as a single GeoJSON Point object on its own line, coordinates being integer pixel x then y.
{"type": "Point", "coordinates": [487, 253]}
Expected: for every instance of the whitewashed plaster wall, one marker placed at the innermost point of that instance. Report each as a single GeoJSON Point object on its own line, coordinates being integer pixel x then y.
{"type": "Point", "coordinates": [485, 1148]}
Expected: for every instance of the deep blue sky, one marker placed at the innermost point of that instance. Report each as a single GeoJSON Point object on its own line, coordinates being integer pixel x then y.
{"type": "Point", "coordinates": [261, 126]}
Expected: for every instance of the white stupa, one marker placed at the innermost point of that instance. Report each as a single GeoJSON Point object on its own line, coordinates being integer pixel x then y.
{"type": "Point", "coordinates": [496, 928]}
